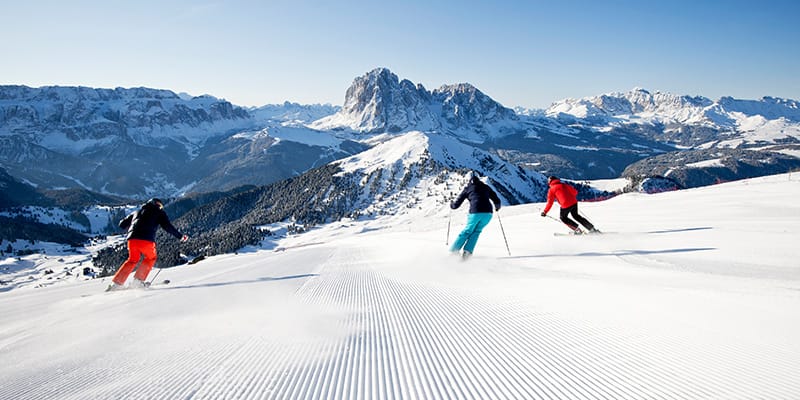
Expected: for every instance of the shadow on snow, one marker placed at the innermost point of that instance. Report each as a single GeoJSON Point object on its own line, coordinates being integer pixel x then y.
{"type": "Point", "coordinates": [617, 253]}
{"type": "Point", "coordinates": [241, 282]}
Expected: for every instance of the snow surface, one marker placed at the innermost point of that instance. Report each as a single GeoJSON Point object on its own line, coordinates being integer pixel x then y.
{"type": "Point", "coordinates": [98, 217]}
{"type": "Point", "coordinates": [609, 185]}
{"type": "Point", "coordinates": [690, 294]}
{"type": "Point", "coordinates": [292, 133]}
{"type": "Point", "coordinates": [717, 162]}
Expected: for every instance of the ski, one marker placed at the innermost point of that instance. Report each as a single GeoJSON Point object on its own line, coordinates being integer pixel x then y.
{"type": "Point", "coordinates": [147, 285]}
{"type": "Point", "coordinates": [579, 234]}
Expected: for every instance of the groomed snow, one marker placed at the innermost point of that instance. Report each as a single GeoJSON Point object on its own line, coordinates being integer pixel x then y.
{"type": "Point", "coordinates": [691, 294]}
{"type": "Point", "coordinates": [610, 185]}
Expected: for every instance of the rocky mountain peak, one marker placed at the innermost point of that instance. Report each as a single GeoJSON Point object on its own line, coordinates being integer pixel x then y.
{"type": "Point", "coordinates": [380, 102]}
{"type": "Point", "coordinates": [666, 107]}
{"type": "Point", "coordinates": [463, 105]}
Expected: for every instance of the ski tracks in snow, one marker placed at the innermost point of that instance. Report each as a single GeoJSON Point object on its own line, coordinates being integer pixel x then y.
{"type": "Point", "coordinates": [359, 325]}
{"type": "Point", "coordinates": [411, 339]}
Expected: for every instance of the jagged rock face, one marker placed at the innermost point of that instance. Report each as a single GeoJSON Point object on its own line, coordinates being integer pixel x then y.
{"type": "Point", "coordinates": [464, 106]}
{"type": "Point", "coordinates": [636, 101]}
{"type": "Point", "coordinates": [379, 102]}
{"type": "Point", "coordinates": [141, 141]}
{"type": "Point", "coordinates": [78, 114]}
{"type": "Point", "coordinates": [131, 142]}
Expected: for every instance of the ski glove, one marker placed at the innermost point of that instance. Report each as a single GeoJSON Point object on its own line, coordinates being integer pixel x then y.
{"type": "Point", "coordinates": [544, 214]}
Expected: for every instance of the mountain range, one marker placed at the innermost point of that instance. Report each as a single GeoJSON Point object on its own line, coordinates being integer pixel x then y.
{"type": "Point", "coordinates": [393, 147]}
{"type": "Point", "coordinates": [142, 142]}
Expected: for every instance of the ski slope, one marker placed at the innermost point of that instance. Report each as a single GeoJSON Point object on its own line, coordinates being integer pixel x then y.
{"type": "Point", "coordinates": [690, 295]}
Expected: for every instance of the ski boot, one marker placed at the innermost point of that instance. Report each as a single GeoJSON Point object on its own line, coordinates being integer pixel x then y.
{"type": "Point", "coordinates": [112, 287]}
{"type": "Point", "coordinates": [138, 284]}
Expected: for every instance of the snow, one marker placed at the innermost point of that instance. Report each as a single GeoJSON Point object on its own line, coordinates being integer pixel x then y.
{"type": "Point", "coordinates": [751, 121]}
{"type": "Point", "coordinates": [578, 148]}
{"type": "Point", "coordinates": [691, 294]}
{"type": "Point", "coordinates": [98, 217]}
{"type": "Point", "coordinates": [294, 134]}
{"type": "Point", "coordinates": [610, 185]}
{"type": "Point", "coordinates": [717, 162]}
{"type": "Point", "coordinates": [409, 148]}
{"type": "Point", "coordinates": [43, 264]}
{"type": "Point", "coordinates": [793, 153]}
{"type": "Point", "coordinates": [756, 130]}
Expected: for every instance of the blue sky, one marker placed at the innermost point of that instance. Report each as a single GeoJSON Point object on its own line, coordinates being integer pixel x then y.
{"type": "Point", "coordinates": [521, 53]}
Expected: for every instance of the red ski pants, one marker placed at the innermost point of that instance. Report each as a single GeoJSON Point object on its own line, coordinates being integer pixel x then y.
{"type": "Point", "coordinates": [136, 249]}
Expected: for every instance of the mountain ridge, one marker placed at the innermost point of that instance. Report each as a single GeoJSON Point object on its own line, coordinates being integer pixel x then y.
{"type": "Point", "coordinates": [380, 102]}
{"type": "Point", "coordinates": [167, 144]}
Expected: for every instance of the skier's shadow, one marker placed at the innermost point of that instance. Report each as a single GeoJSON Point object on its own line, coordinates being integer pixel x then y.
{"type": "Point", "coordinates": [241, 282]}
{"type": "Point", "coordinates": [701, 228]}
{"type": "Point", "coordinates": [618, 253]}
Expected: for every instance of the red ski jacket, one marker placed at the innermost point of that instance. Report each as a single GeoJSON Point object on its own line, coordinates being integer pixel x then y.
{"type": "Point", "coordinates": [564, 193]}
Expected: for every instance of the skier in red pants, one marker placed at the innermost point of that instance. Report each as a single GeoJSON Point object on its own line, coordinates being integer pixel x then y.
{"type": "Point", "coordinates": [567, 199]}
{"type": "Point", "coordinates": [142, 226]}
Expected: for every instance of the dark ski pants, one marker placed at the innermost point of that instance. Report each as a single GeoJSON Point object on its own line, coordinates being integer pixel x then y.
{"type": "Point", "coordinates": [565, 212]}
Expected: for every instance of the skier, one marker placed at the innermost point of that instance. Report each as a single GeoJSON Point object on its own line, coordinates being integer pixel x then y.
{"type": "Point", "coordinates": [566, 196]}
{"type": "Point", "coordinates": [480, 197]}
{"type": "Point", "coordinates": [142, 226]}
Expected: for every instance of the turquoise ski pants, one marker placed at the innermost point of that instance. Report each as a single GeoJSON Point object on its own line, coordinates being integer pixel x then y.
{"type": "Point", "coordinates": [468, 237]}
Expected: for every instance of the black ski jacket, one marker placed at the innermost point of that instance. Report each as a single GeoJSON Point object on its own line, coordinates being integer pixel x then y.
{"type": "Point", "coordinates": [143, 223]}
{"type": "Point", "coordinates": [480, 197]}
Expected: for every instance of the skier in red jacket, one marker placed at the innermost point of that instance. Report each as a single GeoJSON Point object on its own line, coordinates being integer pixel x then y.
{"type": "Point", "coordinates": [566, 196]}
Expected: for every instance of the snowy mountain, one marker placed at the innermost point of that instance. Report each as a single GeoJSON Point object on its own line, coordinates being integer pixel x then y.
{"type": "Point", "coordinates": [379, 102]}
{"type": "Point", "coordinates": [144, 142]}
{"type": "Point", "coordinates": [73, 119]}
{"type": "Point", "coordinates": [119, 141]}
{"type": "Point", "coordinates": [292, 113]}
{"type": "Point", "coordinates": [595, 137]}
{"type": "Point", "coordinates": [424, 170]}
{"type": "Point", "coordinates": [264, 156]}
{"type": "Point", "coordinates": [664, 106]}
{"type": "Point", "coordinates": [729, 120]}
{"type": "Point", "coordinates": [674, 304]}
{"type": "Point", "coordinates": [414, 173]}
{"type": "Point", "coordinates": [713, 141]}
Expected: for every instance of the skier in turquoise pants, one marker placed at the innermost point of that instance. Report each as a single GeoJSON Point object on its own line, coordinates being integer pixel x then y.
{"type": "Point", "coordinates": [480, 197]}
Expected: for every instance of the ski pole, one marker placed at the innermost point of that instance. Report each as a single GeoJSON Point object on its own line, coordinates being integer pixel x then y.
{"type": "Point", "coordinates": [560, 222]}
{"type": "Point", "coordinates": [504, 233]}
{"type": "Point", "coordinates": [554, 218]}
{"type": "Point", "coordinates": [154, 278]}
{"type": "Point", "coordinates": [449, 217]}
{"type": "Point", "coordinates": [582, 212]}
